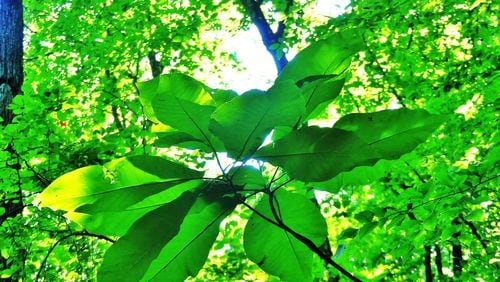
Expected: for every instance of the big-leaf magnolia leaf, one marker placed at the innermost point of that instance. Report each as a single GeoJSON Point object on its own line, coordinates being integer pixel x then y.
{"type": "Point", "coordinates": [392, 132]}
{"type": "Point", "coordinates": [103, 191]}
{"type": "Point", "coordinates": [277, 251]}
{"type": "Point", "coordinates": [318, 69]}
{"type": "Point", "coordinates": [318, 154]}
{"type": "Point", "coordinates": [183, 103]}
{"type": "Point", "coordinates": [170, 243]}
{"type": "Point", "coordinates": [243, 123]}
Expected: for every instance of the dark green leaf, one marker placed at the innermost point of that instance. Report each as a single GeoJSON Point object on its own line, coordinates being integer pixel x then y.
{"type": "Point", "coordinates": [317, 154]}
{"type": "Point", "coordinates": [364, 216]}
{"type": "Point", "coordinates": [348, 233]}
{"type": "Point", "coordinates": [392, 133]}
{"type": "Point", "coordinates": [243, 123]}
{"type": "Point", "coordinates": [277, 251]}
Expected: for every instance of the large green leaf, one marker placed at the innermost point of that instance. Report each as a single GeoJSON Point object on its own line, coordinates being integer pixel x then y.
{"type": "Point", "coordinates": [319, 93]}
{"type": "Point", "coordinates": [318, 154]}
{"type": "Point", "coordinates": [96, 195]}
{"type": "Point", "coordinates": [277, 251]}
{"type": "Point", "coordinates": [243, 123]}
{"type": "Point", "coordinates": [392, 132]}
{"type": "Point", "coordinates": [183, 103]}
{"type": "Point", "coordinates": [330, 56]}
{"type": "Point", "coordinates": [318, 69]}
{"type": "Point", "coordinates": [169, 243]}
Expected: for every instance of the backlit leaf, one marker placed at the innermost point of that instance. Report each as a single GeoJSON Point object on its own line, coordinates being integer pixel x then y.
{"type": "Point", "coordinates": [181, 102]}
{"type": "Point", "coordinates": [318, 154]}
{"type": "Point", "coordinates": [244, 122]}
{"type": "Point", "coordinates": [95, 195]}
{"type": "Point", "coordinates": [392, 132]}
{"type": "Point", "coordinates": [277, 251]}
{"type": "Point", "coordinates": [169, 243]}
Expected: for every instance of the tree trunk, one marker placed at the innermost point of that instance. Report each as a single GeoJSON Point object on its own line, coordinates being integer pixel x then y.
{"type": "Point", "coordinates": [427, 263]}
{"type": "Point", "coordinates": [456, 252]}
{"type": "Point", "coordinates": [269, 37]}
{"type": "Point", "coordinates": [11, 79]}
{"type": "Point", "coordinates": [11, 54]}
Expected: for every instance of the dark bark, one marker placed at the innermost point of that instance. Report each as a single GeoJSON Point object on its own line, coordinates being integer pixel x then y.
{"type": "Point", "coordinates": [474, 232]}
{"type": "Point", "coordinates": [456, 252]}
{"type": "Point", "coordinates": [156, 66]}
{"type": "Point", "coordinates": [11, 54]}
{"type": "Point", "coordinates": [427, 263]}
{"type": "Point", "coordinates": [268, 36]}
{"type": "Point", "coordinates": [11, 79]}
{"type": "Point", "coordinates": [439, 260]}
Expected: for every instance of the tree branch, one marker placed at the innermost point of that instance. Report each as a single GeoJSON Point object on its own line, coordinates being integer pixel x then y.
{"type": "Point", "coordinates": [309, 243]}
{"type": "Point", "coordinates": [427, 263]}
{"type": "Point", "coordinates": [268, 36]}
{"type": "Point", "coordinates": [42, 265]}
{"type": "Point", "coordinates": [474, 231]}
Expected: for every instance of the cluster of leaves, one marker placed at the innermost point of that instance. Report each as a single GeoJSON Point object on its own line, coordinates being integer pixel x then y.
{"type": "Point", "coordinates": [438, 55]}
{"type": "Point", "coordinates": [417, 215]}
{"type": "Point", "coordinates": [140, 197]}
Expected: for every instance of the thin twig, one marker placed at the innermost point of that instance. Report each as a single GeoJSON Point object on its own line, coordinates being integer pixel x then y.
{"type": "Point", "coordinates": [42, 265]}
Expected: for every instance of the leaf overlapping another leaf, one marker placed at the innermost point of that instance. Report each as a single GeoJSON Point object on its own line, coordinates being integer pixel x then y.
{"type": "Point", "coordinates": [319, 69]}
{"type": "Point", "coordinates": [94, 195]}
{"type": "Point", "coordinates": [318, 154]}
{"type": "Point", "coordinates": [243, 123]}
{"type": "Point", "coordinates": [183, 103]}
{"type": "Point", "coordinates": [274, 249]}
{"type": "Point", "coordinates": [169, 243]}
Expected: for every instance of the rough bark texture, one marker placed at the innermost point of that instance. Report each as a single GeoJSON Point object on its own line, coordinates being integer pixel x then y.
{"type": "Point", "coordinates": [11, 79]}
{"type": "Point", "coordinates": [11, 54]}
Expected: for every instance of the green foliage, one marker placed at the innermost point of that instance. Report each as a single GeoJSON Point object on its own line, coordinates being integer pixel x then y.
{"type": "Point", "coordinates": [81, 108]}
{"type": "Point", "coordinates": [170, 242]}
{"type": "Point", "coordinates": [282, 254]}
{"type": "Point", "coordinates": [156, 194]}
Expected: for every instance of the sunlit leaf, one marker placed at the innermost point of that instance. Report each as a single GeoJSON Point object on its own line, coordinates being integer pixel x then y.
{"type": "Point", "coordinates": [318, 69]}
{"type": "Point", "coordinates": [169, 243]}
{"type": "Point", "coordinates": [181, 102]}
{"type": "Point", "coordinates": [94, 195]}
{"type": "Point", "coordinates": [277, 251]}
{"type": "Point", "coordinates": [120, 182]}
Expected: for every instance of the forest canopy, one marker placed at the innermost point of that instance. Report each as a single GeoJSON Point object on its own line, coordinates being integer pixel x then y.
{"type": "Point", "coordinates": [137, 143]}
